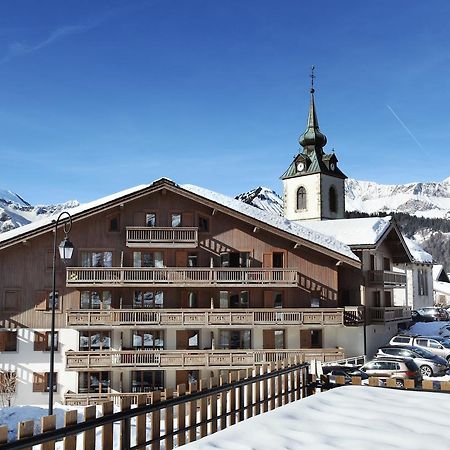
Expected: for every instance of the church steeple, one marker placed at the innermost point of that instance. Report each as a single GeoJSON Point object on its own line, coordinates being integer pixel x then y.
{"type": "Point", "coordinates": [312, 137]}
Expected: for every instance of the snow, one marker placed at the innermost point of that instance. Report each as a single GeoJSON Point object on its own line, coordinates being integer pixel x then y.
{"type": "Point", "coordinates": [361, 231]}
{"type": "Point", "coordinates": [417, 252]}
{"type": "Point", "coordinates": [347, 417]}
{"type": "Point", "coordinates": [274, 220]}
{"type": "Point", "coordinates": [441, 287]}
{"type": "Point", "coordinates": [11, 197]}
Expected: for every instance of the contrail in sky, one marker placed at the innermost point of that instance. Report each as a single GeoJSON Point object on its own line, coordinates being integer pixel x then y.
{"type": "Point", "coordinates": [405, 127]}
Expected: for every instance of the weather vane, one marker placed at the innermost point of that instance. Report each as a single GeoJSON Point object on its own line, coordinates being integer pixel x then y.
{"type": "Point", "coordinates": [312, 78]}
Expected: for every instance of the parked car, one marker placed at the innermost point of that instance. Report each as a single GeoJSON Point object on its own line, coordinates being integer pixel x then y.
{"type": "Point", "coordinates": [438, 345]}
{"type": "Point", "coordinates": [445, 331]}
{"type": "Point", "coordinates": [346, 371]}
{"type": "Point", "coordinates": [429, 364]}
{"type": "Point", "coordinates": [429, 314]}
{"type": "Point", "coordinates": [385, 368]}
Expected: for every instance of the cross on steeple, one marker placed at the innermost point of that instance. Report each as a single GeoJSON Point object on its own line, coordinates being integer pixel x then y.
{"type": "Point", "coordinates": [312, 79]}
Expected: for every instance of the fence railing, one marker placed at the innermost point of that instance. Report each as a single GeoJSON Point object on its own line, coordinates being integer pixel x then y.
{"type": "Point", "coordinates": [176, 276]}
{"type": "Point", "coordinates": [386, 278]}
{"type": "Point", "coordinates": [180, 237]}
{"type": "Point", "coordinates": [211, 406]}
{"type": "Point", "coordinates": [205, 317]}
{"type": "Point", "coordinates": [389, 314]}
{"type": "Point", "coordinates": [192, 359]}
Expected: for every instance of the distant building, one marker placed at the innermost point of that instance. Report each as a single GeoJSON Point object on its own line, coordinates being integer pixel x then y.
{"type": "Point", "coordinates": [441, 286]}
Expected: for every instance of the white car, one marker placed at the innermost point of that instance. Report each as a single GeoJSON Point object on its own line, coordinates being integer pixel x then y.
{"type": "Point", "coordinates": [438, 345]}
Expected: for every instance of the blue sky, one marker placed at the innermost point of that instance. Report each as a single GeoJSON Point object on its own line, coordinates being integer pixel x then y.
{"type": "Point", "coordinates": [98, 96]}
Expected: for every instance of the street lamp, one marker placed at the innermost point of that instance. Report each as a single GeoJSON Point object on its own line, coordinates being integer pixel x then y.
{"type": "Point", "coordinates": [65, 252]}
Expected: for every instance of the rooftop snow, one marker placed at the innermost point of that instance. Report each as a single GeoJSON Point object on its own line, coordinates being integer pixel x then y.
{"type": "Point", "coordinates": [417, 252]}
{"type": "Point", "coordinates": [328, 241]}
{"type": "Point", "coordinates": [362, 231]}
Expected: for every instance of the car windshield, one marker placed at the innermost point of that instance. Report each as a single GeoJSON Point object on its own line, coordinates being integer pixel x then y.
{"type": "Point", "coordinates": [445, 342]}
{"type": "Point", "coordinates": [424, 353]}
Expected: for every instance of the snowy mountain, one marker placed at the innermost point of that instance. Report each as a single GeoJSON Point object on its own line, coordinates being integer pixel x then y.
{"type": "Point", "coordinates": [16, 212]}
{"type": "Point", "coordinates": [263, 198]}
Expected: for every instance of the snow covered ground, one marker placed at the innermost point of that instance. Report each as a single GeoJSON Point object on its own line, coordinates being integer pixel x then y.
{"type": "Point", "coordinates": [349, 417]}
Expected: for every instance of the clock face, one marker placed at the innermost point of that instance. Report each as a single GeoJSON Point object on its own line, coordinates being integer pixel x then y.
{"type": "Point", "coordinates": [332, 166]}
{"type": "Point", "coordinates": [300, 166]}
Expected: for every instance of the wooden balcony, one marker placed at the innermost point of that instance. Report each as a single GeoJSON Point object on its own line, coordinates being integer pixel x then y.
{"type": "Point", "coordinates": [192, 359]}
{"type": "Point", "coordinates": [180, 277]}
{"type": "Point", "coordinates": [385, 278]}
{"type": "Point", "coordinates": [157, 237]}
{"type": "Point", "coordinates": [73, 399]}
{"type": "Point", "coordinates": [195, 318]}
{"type": "Point", "coordinates": [389, 314]}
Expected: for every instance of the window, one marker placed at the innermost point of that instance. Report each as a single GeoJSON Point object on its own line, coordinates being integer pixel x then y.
{"type": "Point", "coordinates": [402, 340]}
{"type": "Point", "coordinates": [148, 299]}
{"type": "Point", "coordinates": [235, 339]}
{"type": "Point", "coordinates": [235, 259]}
{"type": "Point", "coordinates": [148, 259]}
{"type": "Point", "coordinates": [43, 300]}
{"type": "Point", "coordinates": [150, 219]}
{"type": "Point", "coordinates": [148, 340]}
{"type": "Point", "coordinates": [147, 380]}
{"type": "Point", "coordinates": [11, 300]}
{"type": "Point", "coordinates": [41, 382]}
{"type": "Point", "coordinates": [192, 299]}
{"type": "Point", "coordinates": [175, 220]}
{"type": "Point", "coordinates": [42, 341]}
{"type": "Point", "coordinates": [422, 281]}
{"type": "Point", "coordinates": [192, 260]}
{"type": "Point", "coordinates": [203, 224]}
{"type": "Point", "coordinates": [386, 264]}
{"type": "Point", "coordinates": [333, 199]}
{"type": "Point", "coordinates": [95, 382]}
{"type": "Point", "coordinates": [278, 260]}
{"type": "Point", "coordinates": [114, 225]}
{"type": "Point", "coordinates": [301, 198]}
{"type": "Point", "coordinates": [96, 259]}
{"type": "Point", "coordinates": [229, 299]}
{"type": "Point", "coordinates": [95, 340]}
{"type": "Point", "coordinates": [95, 300]}
{"type": "Point", "coordinates": [8, 341]}
{"type": "Point", "coordinates": [273, 339]}
{"type": "Point", "coordinates": [188, 339]}
{"type": "Point", "coordinates": [311, 338]}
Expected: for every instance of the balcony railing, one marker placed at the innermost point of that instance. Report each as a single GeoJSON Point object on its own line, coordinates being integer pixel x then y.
{"type": "Point", "coordinates": [385, 278]}
{"type": "Point", "coordinates": [389, 314]}
{"type": "Point", "coordinates": [190, 359]}
{"type": "Point", "coordinates": [73, 399]}
{"type": "Point", "coordinates": [207, 317]}
{"type": "Point", "coordinates": [179, 237]}
{"type": "Point", "coordinates": [174, 276]}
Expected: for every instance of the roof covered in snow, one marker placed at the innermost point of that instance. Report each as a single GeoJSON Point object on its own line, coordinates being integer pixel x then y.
{"type": "Point", "coordinates": [274, 220]}
{"type": "Point", "coordinates": [354, 232]}
{"type": "Point", "coordinates": [418, 253]}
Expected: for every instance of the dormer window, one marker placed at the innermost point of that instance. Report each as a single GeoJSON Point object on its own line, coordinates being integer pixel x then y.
{"type": "Point", "coordinates": [301, 198]}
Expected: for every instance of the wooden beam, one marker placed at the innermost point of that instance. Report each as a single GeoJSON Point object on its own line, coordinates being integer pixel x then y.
{"type": "Point", "coordinates": [214, 212]}
{"type": "Point", "coordinates": [297, 245]}
{"type": "Point", "coordinates": [255, 230]}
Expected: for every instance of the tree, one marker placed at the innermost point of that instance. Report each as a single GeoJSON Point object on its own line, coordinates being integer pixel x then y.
{"type": "Point", "coordinates": [7, 387]}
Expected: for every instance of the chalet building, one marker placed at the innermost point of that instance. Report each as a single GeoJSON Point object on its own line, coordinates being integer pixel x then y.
{"type": "Point", "coordinates": [169, 283]}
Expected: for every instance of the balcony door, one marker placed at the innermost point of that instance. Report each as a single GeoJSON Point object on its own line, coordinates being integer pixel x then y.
{"type": "Point", "coordinates": [274, 260]}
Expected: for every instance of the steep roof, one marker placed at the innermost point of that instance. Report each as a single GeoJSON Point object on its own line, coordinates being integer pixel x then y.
{"type": "Point", "coordinates": [320, 241]}
{"type": "Point", "coordinates": [418, 253]}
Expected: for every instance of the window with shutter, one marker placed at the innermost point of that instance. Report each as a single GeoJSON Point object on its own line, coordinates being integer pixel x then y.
{"type": "Point", "coordinates": [39, 382]}
{"type": "Point", "coordinates": [40, 341]}
{"type": "Point", "coordinates": [8, 341]}
{"type": "Point", "coordinates": [41, 300]}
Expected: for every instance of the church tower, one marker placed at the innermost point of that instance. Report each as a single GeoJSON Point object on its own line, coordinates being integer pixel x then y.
{"type": "Point", "coordinates": [313, 186]}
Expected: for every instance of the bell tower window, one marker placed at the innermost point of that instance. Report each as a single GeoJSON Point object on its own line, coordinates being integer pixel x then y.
{"type": "Point", "coordinates": [333, 199]}
{"type": "Point", "coordinates": [301, 198]}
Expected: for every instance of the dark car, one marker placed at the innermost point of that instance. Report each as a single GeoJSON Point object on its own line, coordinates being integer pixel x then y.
{"type": "Point", "coordinates": [431, 314]}
{"type": "Point", "coordinates": [429, 364]}
{"type": "Point", "coordinates": [346, 371]}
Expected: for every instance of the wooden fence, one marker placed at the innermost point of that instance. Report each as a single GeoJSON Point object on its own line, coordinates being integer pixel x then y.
{"type": "Point", "coordinates": [180, 418]}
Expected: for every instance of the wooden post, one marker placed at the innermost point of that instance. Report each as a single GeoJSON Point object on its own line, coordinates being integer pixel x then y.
{"type": "Point", "coordinates": [192, 414]}
{"type": "Point", "coordinates": [257, 390]}
{"type": "Point", "coordinates": [48, 423]}
{"type": "Point", "coordinates": [3, 434]}
{"type": "Point", "coordinates": [107, 430]}
{"type": "Point", "coordinates": [445, 385]}
{"type": "Point", "coordinates": [203, 409]}
{"type": "Point", "coordinates": [427, 385]}
{"type": "Point", "coordinates": [70, 418]}
{"type": "Point", "coordinates": [272, 392]}
{"type": "Point", "coordinates": [265, 389]}
{"type": "Point", "coordinates": [156, 422]}
{"type": "Point", "coordinates": [374, 381]}
{"type": "Point", "coordinates": [25, 429]}
{"type": "Point", "coordinates": [410, 384]}
{"type": "Point", "coordinates": [356, 381]}
{"type": "Point", "coordinates": [249, 400]}
{"type": "Point", "coordinates": [89, 435]}
{"type": "Point", "coordinates": [241, 398]}
{"type": "Point", "coordinates": [223, 407]}
{"type": "Point", "coordinates": [292, 385]}
{"type": "Point", "coordinates": [213, 384]}
{"type": "Point", "coordinates": [285, 378]}
{"type": "Point", "coordinates": [340, 380]}
{"type": "Point", "coordinates": [125, 428]}
{"type": "Point", "coordinates": [391, 382]}
{"type": "Point", "coordinates": [181, 435]}
{"type": "Point", "coordinates": [231, 379]}
{"type": "Point", "coordinates": [168, 442]}
{"type": "Point", "coordinates": [304, 383]}
{"type": "Point", "coordinates": [141, 421]}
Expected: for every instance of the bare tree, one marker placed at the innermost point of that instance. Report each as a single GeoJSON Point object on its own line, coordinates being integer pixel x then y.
{"type": "Point", "coordinates": [7, 387]}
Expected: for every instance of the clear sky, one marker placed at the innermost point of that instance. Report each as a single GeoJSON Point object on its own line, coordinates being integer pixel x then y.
{"type": "Point", "coordinates": [98, 96]}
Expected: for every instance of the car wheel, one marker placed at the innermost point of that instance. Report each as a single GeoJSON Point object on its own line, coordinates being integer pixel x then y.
{"type": "Point", "coordinates": [426, 371]}
{"type": "Point", "coordinates": [399, 383]}
{"type": "Point", "coordinates": [448, 359]}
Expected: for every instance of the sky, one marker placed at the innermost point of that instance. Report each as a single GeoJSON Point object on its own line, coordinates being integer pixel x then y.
{"type": "Point", "coordinates": [96, 97]}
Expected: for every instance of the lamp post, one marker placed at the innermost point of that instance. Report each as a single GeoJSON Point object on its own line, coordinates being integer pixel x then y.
{"type": "Point", "coordinates": [65, 252]}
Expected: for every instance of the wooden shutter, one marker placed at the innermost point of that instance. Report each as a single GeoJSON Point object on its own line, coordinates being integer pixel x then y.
{"type": "Point", "coordinates": [268, 299]}
{"type": "Point", "coordinates": [3, 340]}
{"type": "Point", "coordinates": [268, 339]}
{"type": "Point", "coordinates": [267, 260]}
{"type": "Point", "coordinates": [39, 382]}
{"type": "Point", "coordinates": [305, 338]}
{"type": "Point", "coordinates": [180, 258]}
{"type": "Point", "coordinates": [41, 300]}
{"type": "Point", "coordinates": [40, 341]}
{"type": "Point", "coordinates": [182, 339]}
{"type": "Point", "coordinates": [11, 341]}
{"type": "Point", "coordinates": [187, 219]}
{"type": "Point", "coordinates": [11, 300]}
